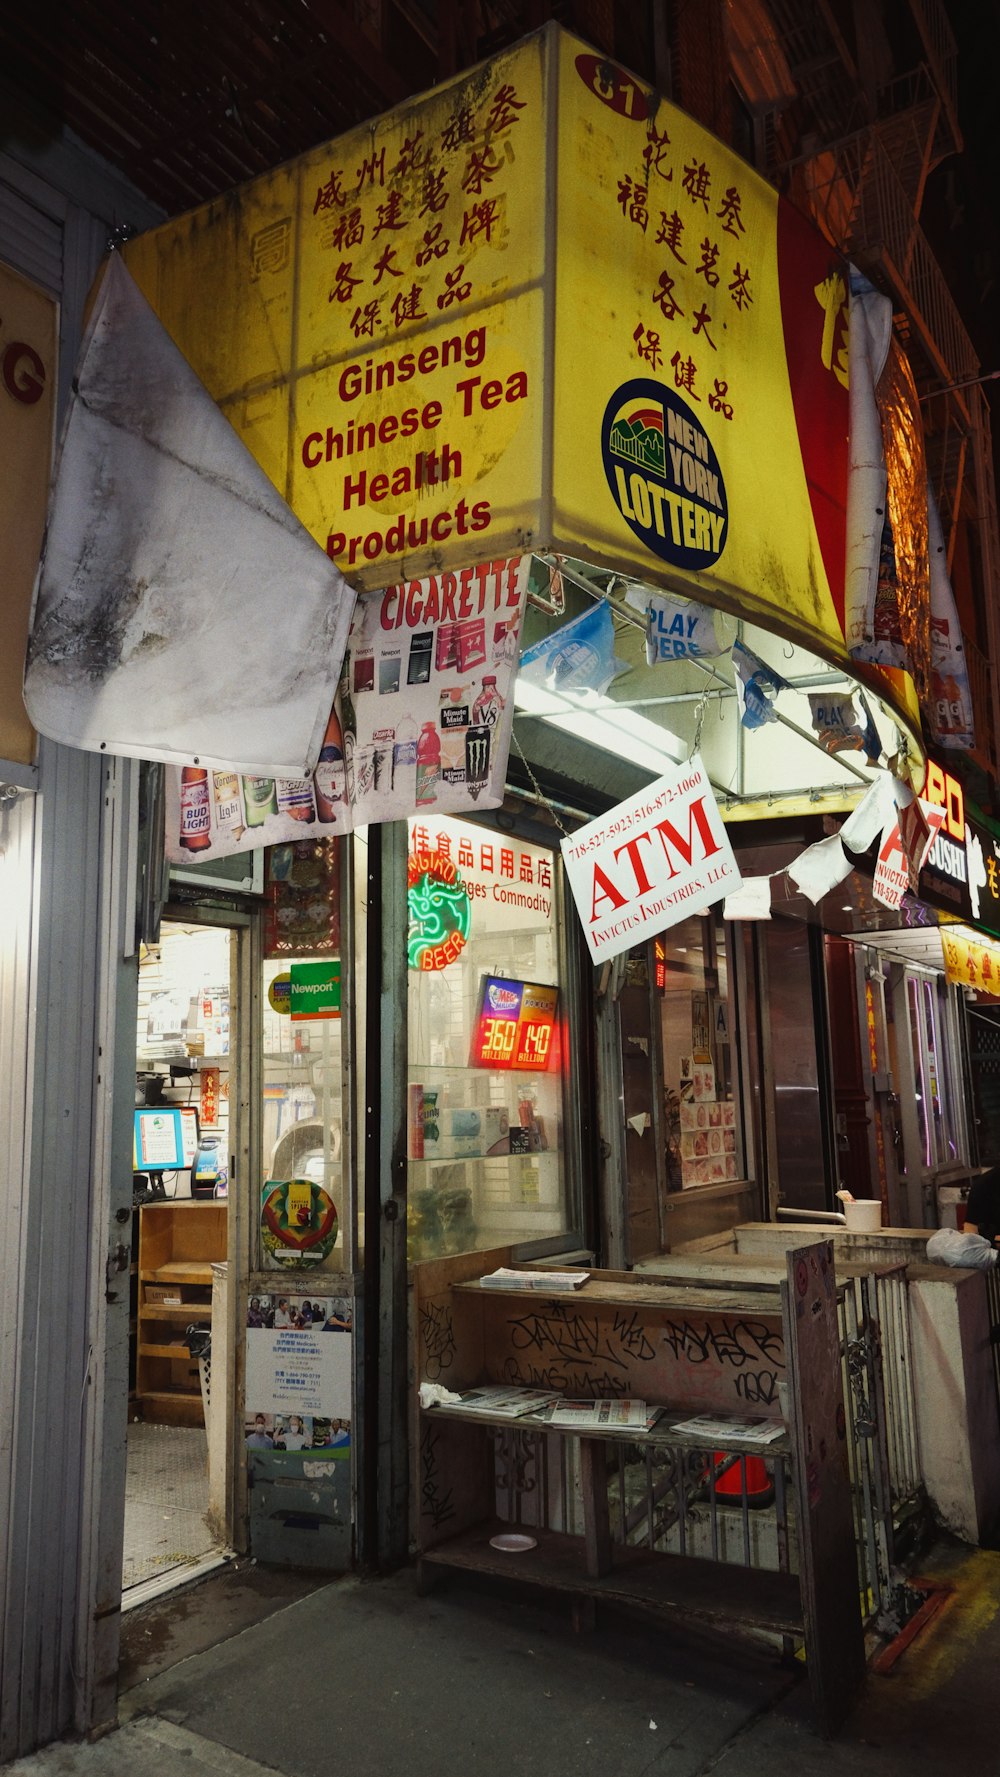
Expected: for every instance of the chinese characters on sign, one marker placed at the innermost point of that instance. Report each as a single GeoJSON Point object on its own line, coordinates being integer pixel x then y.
{"type": "Point", "coordinates": [711, 215]}
{"type": "Point", "coordinates": [410, 230]}
{"type": "Point", "coordinates": [971, 962]}
{"type": "Point", "coordinates": [298, 1373]}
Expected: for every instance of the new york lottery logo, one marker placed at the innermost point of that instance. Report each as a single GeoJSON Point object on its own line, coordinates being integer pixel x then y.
{"type": "Point", "coordinates": [664, 474]}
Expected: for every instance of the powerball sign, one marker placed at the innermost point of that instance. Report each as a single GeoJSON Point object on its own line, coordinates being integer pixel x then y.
{"type": "Point", "coordinates": [650, 862]}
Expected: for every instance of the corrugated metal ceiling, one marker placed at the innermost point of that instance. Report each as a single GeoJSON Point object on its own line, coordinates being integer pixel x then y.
{"type": "Point", "coordinates": [191, 100]}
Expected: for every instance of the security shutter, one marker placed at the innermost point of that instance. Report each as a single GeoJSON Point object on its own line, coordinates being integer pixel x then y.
{"type": "Point", "coordinates": [31, 239]}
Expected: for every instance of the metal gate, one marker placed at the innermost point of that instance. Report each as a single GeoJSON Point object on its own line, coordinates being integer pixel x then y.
{"type": "Point", "coordinates": [879, 1402]}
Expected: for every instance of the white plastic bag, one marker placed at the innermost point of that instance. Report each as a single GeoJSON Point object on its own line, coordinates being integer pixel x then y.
{"type": "Point", "coordinates": [951, 1246]}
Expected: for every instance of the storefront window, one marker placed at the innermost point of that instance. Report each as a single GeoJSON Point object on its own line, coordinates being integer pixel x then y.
{"type": "Point", "coordinates": [485, 1113]}
{"type": "Point", "coordinates": [937, 1144]}
{"type": "Point", "coordinates": [304, 1218]}
{"type": "Point", "coordinates": [703, 1138]}
{"type": "Point", "coordinates": [799, 1097]}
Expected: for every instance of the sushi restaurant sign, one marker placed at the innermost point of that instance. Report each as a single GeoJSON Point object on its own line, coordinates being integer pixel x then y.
{"type": "Point", "coordinates": [650, 862]}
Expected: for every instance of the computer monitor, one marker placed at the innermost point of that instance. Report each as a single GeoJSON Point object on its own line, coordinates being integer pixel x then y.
{"type": "Point", "coordinates": [165, 1138]}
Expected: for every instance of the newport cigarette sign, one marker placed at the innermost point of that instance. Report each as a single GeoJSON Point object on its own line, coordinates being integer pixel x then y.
{"type": "Point", "coordinates": [650, 862]}
{"type": "Point", "coordinates": [315, 991]}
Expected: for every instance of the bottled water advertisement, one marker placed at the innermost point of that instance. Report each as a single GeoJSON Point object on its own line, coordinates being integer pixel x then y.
{"type": "Point", "coordinates": [421, 724]}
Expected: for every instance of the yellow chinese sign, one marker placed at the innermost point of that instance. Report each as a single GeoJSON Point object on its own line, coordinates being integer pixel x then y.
{"type": "Point", "coordinates": [369, 318]}
{"type": "Point", "coordinates": [701, 402]}
{"type": "Point", "coordinates": [27, 404]}
{"type": "Point", "coordinates": [971, 962]}
{"type": "Point", "coordinates": [535, 309]}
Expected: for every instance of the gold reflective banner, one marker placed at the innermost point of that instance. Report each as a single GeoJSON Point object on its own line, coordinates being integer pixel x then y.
{"type": "Point", "coordinates": [970, 962]}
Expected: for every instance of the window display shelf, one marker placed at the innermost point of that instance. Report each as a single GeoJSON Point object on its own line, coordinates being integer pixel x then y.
{"type": "Point", "coordinates": [475, 1159]}
{"type": "Point", "coordinates": [421, 1071]}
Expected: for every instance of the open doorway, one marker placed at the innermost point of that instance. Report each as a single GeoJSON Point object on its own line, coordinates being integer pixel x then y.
{"type": "Point", "coordinates": [174, 1516]}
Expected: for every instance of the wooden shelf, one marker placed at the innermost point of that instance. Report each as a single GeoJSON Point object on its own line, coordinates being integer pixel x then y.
{"type": "Point", "coordinates": [185, 1311]}
{"type": "Point", "coordinates": [684, 1585]}
{"type": "Point", "coordinates": [660, 1435]}
{"type": "Point", "coordinates": [179, 1271]}
{"type": "Point", "coordinates": [607, 1291]}
{"type": "Point", "coordinates": [731, 1351]}
{"type": "Point", "coordinates": [178, 1243]}
{"type": "Point", "coordinates": [172, 1406]}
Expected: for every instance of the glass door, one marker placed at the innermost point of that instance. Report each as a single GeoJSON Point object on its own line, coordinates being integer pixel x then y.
{"type": "Point", "coordinates": [927, 1064]}
{"type": "Point", "coordinates": [298, 1310]}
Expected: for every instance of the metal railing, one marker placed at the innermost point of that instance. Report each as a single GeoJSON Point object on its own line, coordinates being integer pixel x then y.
{"type": "Point", "coordinates": [942, 53]}
{"type": "Point", "coordinates": [882, 1448]}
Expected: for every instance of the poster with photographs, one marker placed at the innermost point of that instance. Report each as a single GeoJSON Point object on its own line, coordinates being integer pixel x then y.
{"type": "Point", "coordinates": [708, 1142]}
{"type": "Point", "coordinates": [421, 725]}
{"type": "Point", "coordinates": [309, 1433]}
{"type": "Point", "coordinates": [298, 1368]}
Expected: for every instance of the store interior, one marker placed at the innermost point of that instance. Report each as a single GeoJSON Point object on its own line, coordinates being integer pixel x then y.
{"type": "Point", "coordinates": [179, 1229]}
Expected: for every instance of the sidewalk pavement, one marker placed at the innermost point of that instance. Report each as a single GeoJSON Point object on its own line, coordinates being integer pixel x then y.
{"type": "Point", "coordinates": [368, 1678]}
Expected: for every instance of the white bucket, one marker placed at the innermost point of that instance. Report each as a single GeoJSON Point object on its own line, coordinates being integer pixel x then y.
{"type": "Point", "coordinates": [864, 1215]}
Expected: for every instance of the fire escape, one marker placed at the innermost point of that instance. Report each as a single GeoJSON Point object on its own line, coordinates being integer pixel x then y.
{"type": "Point", "coordinates": [855, 148]}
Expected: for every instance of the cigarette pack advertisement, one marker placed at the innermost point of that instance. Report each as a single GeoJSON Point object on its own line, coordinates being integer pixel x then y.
{"type": "Point", "coordinates": [421, 725]}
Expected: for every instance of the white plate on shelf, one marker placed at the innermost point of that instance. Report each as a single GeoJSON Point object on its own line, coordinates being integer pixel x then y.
{"type": "Point", "coordinates": [511, 1543]}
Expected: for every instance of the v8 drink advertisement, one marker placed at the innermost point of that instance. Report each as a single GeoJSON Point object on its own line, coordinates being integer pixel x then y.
{"type": "Point", "coordinates": [421, 725]}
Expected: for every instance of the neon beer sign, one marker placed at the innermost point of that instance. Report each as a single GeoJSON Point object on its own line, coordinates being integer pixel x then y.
{"type": "Point", "coordinates": [439, 911]}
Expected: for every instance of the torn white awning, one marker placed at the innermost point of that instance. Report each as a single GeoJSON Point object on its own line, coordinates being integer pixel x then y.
{"type": "Point", "coordinates": [182, 611]}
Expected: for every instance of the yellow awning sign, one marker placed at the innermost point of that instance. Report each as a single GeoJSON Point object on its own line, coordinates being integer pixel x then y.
{"type": "Point", "coordinates": [370, 318]}
{"type": "Point", "coordinates": [971, 962]}
{"type": "Point", "coordinates": [537, 309]}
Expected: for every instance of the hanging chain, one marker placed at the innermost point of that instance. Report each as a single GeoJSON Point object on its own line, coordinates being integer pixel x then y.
{"type": "Point", "coordinates": [699, 723]}
{"type": "Point", "coordinates": [536, 786]}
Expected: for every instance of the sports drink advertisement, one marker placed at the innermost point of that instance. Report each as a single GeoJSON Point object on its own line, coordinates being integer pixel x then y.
{"type": "Point", "coordinates": [421, 726]}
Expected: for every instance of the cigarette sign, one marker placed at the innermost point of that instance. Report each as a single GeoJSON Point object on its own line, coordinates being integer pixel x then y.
{"type": "Point", "coordinates": [315, 990]}
{"type": "Point", "coordinates": [650, 862]}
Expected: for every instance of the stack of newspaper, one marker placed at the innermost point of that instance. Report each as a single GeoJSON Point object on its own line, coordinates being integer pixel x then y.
{"type": "Point", "coordinates": [549, 1282]}
{"type": "Point", "coordinates": [506, 1403]}
{"type": "Point", "coordinates": [611, 1415]}
{"type": "Point", "coordinates": [724, 1434]}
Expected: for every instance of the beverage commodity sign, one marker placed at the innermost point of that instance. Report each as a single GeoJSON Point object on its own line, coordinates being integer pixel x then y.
{"type": "Point", "coordinates": [650, 862]}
